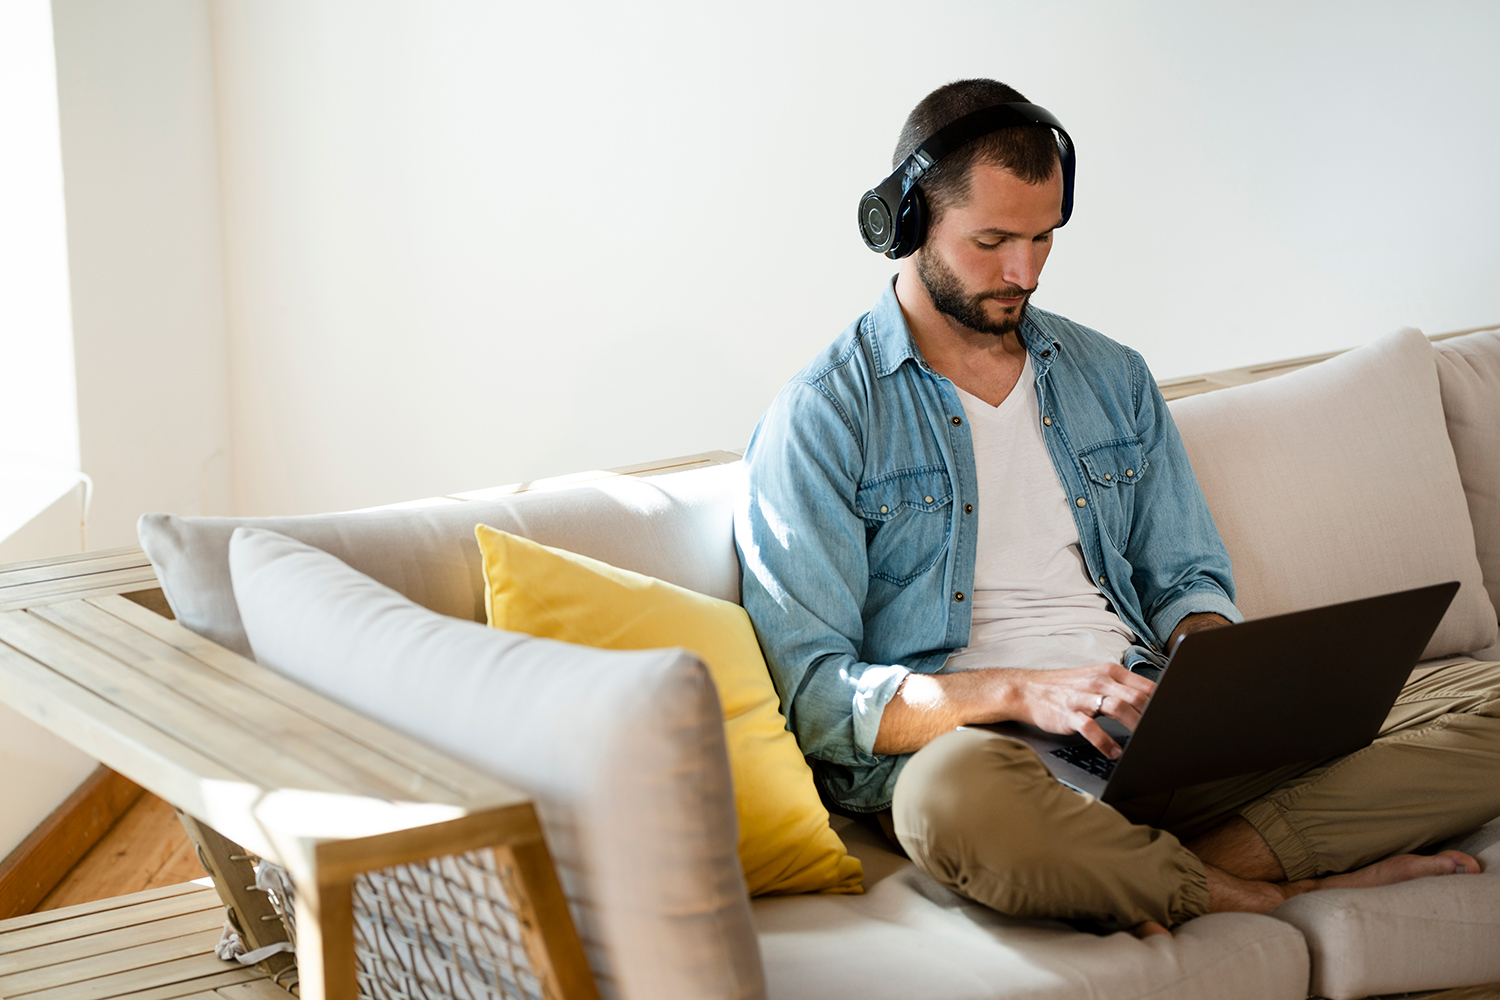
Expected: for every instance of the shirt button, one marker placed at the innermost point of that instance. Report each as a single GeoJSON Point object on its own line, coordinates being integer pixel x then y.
{"type": "Point", "coordinates": [959, 596]}
{"type": "Point", "coordinates": [884, 509]}
{"type": "Point", "coordinates": [927, 499]}
{"type": "Point", "coordinates": [968, 508]}
{"type": "Point", "coordinates": [1101, 579]}
{"type": "Point", "coordinates": [1046, 354]}
{"type": "Point", "coordinates": [1129, 472]}
{"type": "Point", "coordinates": [957, 421]}
{"type": "Point", "coordinates": [1047, 421]}
{"type": "Point", "coordinates": [1082, 502]}
{"type": "Point", "coordinates": [1107, 478]}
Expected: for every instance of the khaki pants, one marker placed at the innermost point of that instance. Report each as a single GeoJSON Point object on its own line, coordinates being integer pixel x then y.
{"type": "Point", "coordinates": [982, 815]}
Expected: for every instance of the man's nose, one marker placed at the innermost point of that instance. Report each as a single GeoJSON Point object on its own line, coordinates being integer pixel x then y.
{"type": "Point", "coordinates": [1022, 267]}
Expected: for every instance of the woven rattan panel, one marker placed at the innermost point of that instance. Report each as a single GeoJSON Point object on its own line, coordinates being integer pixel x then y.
{"type": "Point", "coordinates": [443, 928]}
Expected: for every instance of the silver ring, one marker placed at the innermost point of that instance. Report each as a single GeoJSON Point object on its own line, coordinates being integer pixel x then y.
{"type": "Point", "coordinates": [1100, 706]}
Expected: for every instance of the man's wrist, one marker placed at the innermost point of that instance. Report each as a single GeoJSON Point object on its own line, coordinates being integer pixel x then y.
{"type": "Point", "coordinates": [1195, 622]}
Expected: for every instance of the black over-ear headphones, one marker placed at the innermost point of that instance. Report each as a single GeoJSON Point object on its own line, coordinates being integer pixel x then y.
{"type": "Point", "coordinates": [893, 217]}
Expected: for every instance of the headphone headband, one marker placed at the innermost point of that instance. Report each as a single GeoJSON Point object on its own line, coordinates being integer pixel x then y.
{"type": "Point", "coordinates": [892, 216]}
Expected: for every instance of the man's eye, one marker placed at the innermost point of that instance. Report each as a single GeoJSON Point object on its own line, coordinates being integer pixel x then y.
{"type": "Point", "coordinates": [1044, 238]}
{"type": "Point", "coordinates": [989, 246]}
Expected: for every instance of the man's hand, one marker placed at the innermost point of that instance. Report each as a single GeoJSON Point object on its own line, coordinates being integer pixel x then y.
{"type": "Point", "coordinates": [1067, 701]}
{"type": "Point", "coordinates": [1194, 623]}
{"type": "Point", "coordinates": [1058, 701]}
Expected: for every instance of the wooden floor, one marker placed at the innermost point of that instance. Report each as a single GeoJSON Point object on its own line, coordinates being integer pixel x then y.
{"type": "Point", "coordinates": [145, 849]}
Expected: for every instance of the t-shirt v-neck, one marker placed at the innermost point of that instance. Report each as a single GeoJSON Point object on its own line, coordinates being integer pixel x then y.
{"type": "Point", "coordinates": [1034, 604]}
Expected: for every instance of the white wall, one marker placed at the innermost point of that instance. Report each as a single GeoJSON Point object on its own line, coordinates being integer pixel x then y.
{"type": "Point", "coordinates": [472, 242]}
{"type": "Point", "coordinates": [38, 429]}
{"type": "Point", "coordinates": [135, 88]}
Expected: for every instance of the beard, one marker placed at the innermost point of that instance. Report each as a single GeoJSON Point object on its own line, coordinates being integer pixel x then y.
{"type": "Point", "coordinates": [958, 303]}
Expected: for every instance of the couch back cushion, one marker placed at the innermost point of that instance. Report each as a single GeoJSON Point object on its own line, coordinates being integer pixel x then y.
{"type": "Point", "coordinates": [1337, 482]}
{"type": "Point", "coordinates": [1469, 376]}
{"type": "Point", "coordinates": [622, 752]}
{"type": "Point", "coordinates": [677, 527]}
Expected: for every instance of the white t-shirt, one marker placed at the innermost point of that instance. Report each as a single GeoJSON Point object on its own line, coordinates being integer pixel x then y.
{"type": "Point", "coordinates": [1035, 605]}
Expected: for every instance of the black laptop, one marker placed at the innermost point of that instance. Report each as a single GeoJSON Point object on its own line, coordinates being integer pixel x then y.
{"type": "Point", "coordinates": [1304, 686]}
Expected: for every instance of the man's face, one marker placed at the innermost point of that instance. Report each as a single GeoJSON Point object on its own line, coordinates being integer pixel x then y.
{"type": "Point", "coordinates": [980, 263]}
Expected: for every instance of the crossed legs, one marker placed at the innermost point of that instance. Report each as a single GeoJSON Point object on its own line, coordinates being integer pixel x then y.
{"type": "Point", "coordinates": [982, 815]}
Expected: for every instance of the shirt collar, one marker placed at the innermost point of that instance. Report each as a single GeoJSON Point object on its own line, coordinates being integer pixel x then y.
{"type": "Point", "coordinates": [891, 341]}
{"type": "Point", "coordinates": [889, 336]}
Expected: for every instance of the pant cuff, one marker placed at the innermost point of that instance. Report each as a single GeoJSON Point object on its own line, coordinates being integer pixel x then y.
{"type": "Point", "coordinates": [1282, 838]}
{"type": "Point", "coordinates": [1192, 900]}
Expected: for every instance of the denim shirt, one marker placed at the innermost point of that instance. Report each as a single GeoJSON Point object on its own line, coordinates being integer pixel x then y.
{"type": "Point", "coordinates": [857, 534]}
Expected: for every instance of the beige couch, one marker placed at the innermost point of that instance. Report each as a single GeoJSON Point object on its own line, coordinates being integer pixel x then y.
{"type": "Point", "coordinates": [1376, 470]}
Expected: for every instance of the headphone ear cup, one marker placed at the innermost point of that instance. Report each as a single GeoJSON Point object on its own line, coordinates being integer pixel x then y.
{"type": "Point", "coordinates": [911, 224]}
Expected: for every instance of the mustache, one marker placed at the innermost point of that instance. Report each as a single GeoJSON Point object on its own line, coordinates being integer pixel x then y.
{"type": "Point", "coordinates": [1009, 292]}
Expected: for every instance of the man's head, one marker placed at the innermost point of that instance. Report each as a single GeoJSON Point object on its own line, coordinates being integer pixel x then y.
{"type": "Point", "coordinates": [992, 205]}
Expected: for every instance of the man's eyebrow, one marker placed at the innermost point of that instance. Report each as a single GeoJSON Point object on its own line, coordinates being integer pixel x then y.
{"type": "Point", "coordinates": [1007, 232]}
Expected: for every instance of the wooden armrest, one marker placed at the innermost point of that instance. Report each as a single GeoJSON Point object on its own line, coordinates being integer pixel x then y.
{"type": "Point", "coordinates": [293, 777]}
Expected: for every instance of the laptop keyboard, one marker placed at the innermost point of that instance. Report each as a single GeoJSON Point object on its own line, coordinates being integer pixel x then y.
{"type": "Point", "coordinates": [1089, 759]}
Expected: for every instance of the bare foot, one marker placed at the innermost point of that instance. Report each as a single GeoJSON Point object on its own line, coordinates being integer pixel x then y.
{"type": "Point", "coordinates": [1227, 893]}
{"type": "Point", "coordinates": [1401, 868]}
{"type": "Point", "coordinates": [1149, 929]}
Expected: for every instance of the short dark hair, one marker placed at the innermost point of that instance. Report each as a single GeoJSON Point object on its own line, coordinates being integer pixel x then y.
{"type": "Point", "coordinates": [1028, 151]}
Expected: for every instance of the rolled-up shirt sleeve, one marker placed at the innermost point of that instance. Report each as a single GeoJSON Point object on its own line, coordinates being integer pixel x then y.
{"type": "Point", "coordinates": [1180, 566]}
{"type": "Point", "coordinates": [802, 549]}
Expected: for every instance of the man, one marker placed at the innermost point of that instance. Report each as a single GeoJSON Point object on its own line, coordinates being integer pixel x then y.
{"type": "Point", "coordinates": [967, 510]}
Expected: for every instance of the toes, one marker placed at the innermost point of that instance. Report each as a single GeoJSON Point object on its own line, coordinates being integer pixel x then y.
{"type": "Point", "coordinates": [1463, 864]}
{"type": "Point", "coordinates": [1149, 928]}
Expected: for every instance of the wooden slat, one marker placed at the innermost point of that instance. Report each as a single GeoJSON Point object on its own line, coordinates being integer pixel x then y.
{"type": "Point", "coordinates": [476, 786]}
{"type": "Point", "coordinates": [62, 561]}
{"type": "Point", "coordinates": [141, 907]}
{"type": "Point", "coordinates": [222, 738]}
{"type": "Point", "coordinates": [104, 910]}
{"type": "Point", "coordinates": [93, 585]}
{"type": "Point", "coordinates": [78, 948]}
{"type": "Point", "coordinates": [358, 767]}
{"type": "Point", "coordinates": [144, 956]}
{"type": "Point", "coordinates": [166, 981]}
{"type": "Point", "coordinates": [139, 751]}
{"type": "Point", "coordinates": [43, 859]}
{"type": "Point", "coordinates": [16, 575]}
{"type": "Point", "coordinates": [259, 989]}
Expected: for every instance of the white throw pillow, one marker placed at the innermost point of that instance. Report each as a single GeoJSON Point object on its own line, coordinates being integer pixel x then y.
{"type": "Point", "coordinates": [1337, 482]}
{"type": "Point", "coordinates": [623, 753]}
{"type": "Point", "coordinates": [678, 528]}
{"type": "Point", "coordinates": [1469, 374]}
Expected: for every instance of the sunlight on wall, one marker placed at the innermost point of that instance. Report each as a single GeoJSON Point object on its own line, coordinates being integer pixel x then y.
{"type": "Point", "coordinates": [38, 416]}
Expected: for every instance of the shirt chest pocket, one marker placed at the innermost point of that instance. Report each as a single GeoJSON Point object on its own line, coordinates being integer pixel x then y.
{"type": "Point", "coordinates": [1114, 469]}
{"type": "Point", "coordinates": [908, 516]}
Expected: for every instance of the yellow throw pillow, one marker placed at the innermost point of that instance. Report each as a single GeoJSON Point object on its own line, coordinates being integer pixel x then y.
{"type": "Point", "coordinates": [786, 845]}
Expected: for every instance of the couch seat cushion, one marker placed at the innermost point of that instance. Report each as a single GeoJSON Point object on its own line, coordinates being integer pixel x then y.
{"type": "Point", "coordinates": [1431, 933]}
{"type": "Point", "coordinates": [908, 937]}
{"type": "Point", "coordinates": [622, 752]}
{"type": "Point", "coordinates": [1338, 482]}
